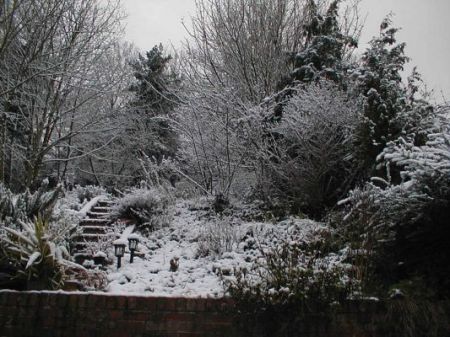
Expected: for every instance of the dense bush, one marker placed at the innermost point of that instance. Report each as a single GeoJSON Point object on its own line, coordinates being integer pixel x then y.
{"type": "Point", "coordinates": [149, 208]}
{"type": "Point", "coordinates": [86, 193]}
{"type": "Point", "coordinates": [307, 157]}
{"type": "Point", "coordinates": [407, 223]}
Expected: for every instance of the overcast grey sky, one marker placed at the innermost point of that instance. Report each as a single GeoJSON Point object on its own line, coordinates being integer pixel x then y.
{"type": "Point", "coordinates": [425, 29]}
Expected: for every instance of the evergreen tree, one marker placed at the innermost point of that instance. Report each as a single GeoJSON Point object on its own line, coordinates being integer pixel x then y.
{"type": "Point", "coordinates": [379, 81]}
{"type": "Point", "coordinates": [323, 55]}
{"type": "Point", "coordinates": [325, 44]}
{"type": "Point", "coordinates": [152, 103]}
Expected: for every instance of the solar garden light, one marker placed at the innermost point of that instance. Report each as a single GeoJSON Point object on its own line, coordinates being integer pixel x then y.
{"type": "Point", "coordinates": [133, 241]}
{"type": "Point", "coordinates": [119, 250]}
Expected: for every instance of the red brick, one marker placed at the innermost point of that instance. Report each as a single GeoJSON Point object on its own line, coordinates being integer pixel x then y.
{"type": "Point", "coordinates": [132, 303]}
{"type": "Point", "coordinates": [33, 299]}
{"type": "Point", "coordinates": [90, 301]}
{"type": "Point", "coordinates": [180, 325]}
{"type": "Point", "coordinates": [195, 305]}
{"type": "Point", "coordinates": [211, 305]}
{"type": "Point", "coordinates": [11, 299]}
{"type": "Point", "coordinates": [181, 304]}
{"type": "Point", "coordinates": [164, 304]}
{"type": "Point", "coordinates": [136, 326]}
{"type": "Point", "coordinates": [147, 303]}
{"type": "Point", "coordinates": [73, 301]}
{"type": "Point", "coordinates": [62, 300]}
{"type": "Point", "coordinates": [82, 300]}
{"type": "Point", "coordinates": [115, 314]}
{"type": "Point", "coordinates": [52, 300]}
{"type": "Point", "coordinates": [151, 326]}
{"type": "Point", "coordinates": [179, 316]}
{"type": "Point", "coordinates": [120, 302]}
{"type": "Point", "coordinates": [110, 302]}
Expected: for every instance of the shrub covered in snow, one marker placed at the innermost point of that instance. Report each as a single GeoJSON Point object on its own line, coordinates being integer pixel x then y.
{"type": "Point", "coordinates": [38, 255]}
{"type": "Point", "coordinates": [149, 208]}
{"type": "Point", "coordinates": [407, 223]}
{"type": "Point", "coordinates": [296, 275]}
{"type": "Point", "coordinates": [307, 158]}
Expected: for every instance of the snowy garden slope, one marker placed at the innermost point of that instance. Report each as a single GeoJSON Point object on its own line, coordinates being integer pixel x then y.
{"type": "Point", "coordinates": [203, 248]}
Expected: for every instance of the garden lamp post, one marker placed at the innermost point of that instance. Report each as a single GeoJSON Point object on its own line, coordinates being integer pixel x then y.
{"type": "Point", "coordinates": [119, 250]}
{"type": "Point", "coordinates": [133, 241]}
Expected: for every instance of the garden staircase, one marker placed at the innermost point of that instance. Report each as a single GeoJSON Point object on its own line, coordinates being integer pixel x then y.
{"type": "Point", "coordinates": [91, 231]}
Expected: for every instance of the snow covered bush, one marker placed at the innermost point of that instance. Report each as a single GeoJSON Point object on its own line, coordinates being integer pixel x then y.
{"type": "Point", "coordinates": [39, 255]}
{"type": "Point", "coordinates": [307, 158]}
{"type": "Point", "coordinates": [295, 276]}
{"type": "Point", "coordinates": [149, 208]}
{"type": "Point", "coordinates": [407, 223]}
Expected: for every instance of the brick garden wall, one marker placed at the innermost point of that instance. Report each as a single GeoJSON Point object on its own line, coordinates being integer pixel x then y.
{"type": "Point", "coordinates": [54, 314]}
{"type": "Point", "coordinates": [33, 314]}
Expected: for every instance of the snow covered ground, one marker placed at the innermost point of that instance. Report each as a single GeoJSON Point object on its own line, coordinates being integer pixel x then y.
{"type": "Point", "coordinates": [200, 248]}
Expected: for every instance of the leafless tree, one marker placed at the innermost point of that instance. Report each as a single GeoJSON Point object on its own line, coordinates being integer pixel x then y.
{"type": "Point", "coordinates": [215, 146]}
{"type": "Point", "coordinates": [246, 44]}
{"type": "Point", "coordinates": [49, 78]}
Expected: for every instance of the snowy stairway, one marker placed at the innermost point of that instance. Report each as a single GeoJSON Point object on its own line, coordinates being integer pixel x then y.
{"type": "Point", "coordinates": [92, 229]}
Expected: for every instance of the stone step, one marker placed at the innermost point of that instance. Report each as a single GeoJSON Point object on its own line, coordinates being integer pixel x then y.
{"type": "Point", "coordinates": [78, 247]}
{"type": "Point", "coordinates": [89, 237]}
{"type": "Point", "coordinates": [94, 229]}
{"type": "Point", "coordinates": [94, 222]}
{"type": "Point", "coordinates": [106, 203]}
{"type": "Point", "coordinates": [98, 215]}
{"type": "Point", "coordinates": [100, 209]}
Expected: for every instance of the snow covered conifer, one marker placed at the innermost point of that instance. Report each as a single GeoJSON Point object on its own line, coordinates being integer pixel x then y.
{"type": "Point", "coordinates": [379, 80]}
{"type": "Point", "coordinates": [325, 45]}
{"type": "Point", "coordinates": [323, 52]}
{"type": "Point", "coordinates": [152, 102]}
